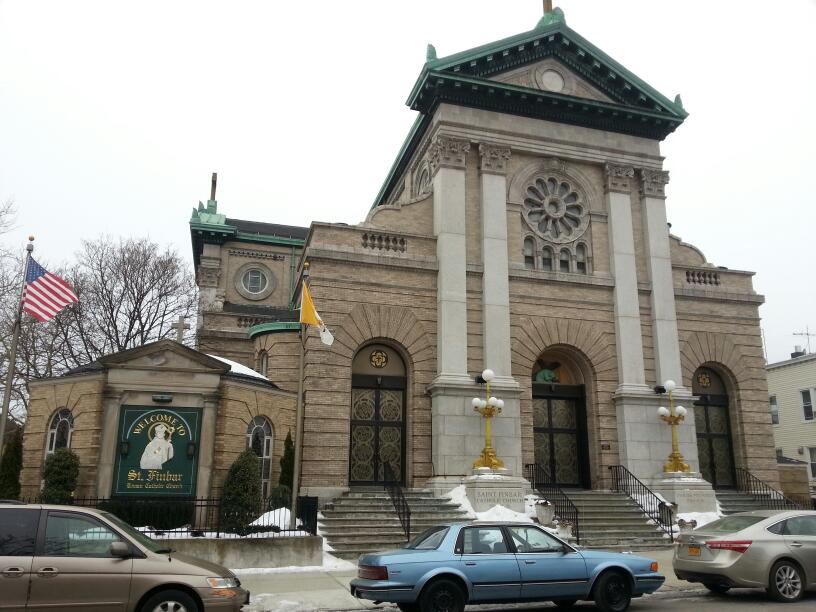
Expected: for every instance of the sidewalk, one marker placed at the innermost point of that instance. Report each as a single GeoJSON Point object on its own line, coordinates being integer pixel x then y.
{"type": "Point", "coordinates": [309, 591]}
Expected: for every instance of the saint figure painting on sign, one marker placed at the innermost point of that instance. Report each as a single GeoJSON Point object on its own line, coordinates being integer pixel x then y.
{"type": "Point", "coordinates": [159, 449]}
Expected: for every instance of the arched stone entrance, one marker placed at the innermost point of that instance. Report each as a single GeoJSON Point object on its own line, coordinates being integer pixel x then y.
{"type": "Point", "coordinates": [715, 448]}
{"type": "Point", "coordinates": [377, 431]}
{"type": "Point", "coordinates": [560, 440]}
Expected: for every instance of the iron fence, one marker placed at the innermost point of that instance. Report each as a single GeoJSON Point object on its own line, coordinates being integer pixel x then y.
{"type": "Point", "coordinates": [565, 510]}
{"type": "Point", "coordinates": [397, 495]}
{"type": "Point", "coordinates": [208, 517]}
{"type": "Point", "coordinates": [655, 508]}
{"type": "Point", "coordinates": [763, 493]}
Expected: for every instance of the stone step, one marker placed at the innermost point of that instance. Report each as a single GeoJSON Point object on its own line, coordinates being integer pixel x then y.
{"type": "Point", "coordinates": [636, 547]}
{"type": "Point", "coordinates": [390, 507]}
{"type": "Point", "coordinates": [377, 514]}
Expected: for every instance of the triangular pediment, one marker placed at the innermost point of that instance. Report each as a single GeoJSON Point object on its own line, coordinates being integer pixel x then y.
{"type": "Point", "coordinates": [551, 75]}
{"type": "Point", "coordinates": [164, 355]}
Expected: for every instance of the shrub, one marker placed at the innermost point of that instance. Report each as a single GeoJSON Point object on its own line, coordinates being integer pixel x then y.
{"type": "Point", "coordinates": [287, 462]}
{"type": "Point", "coordinates": [241, 498]}
{"type": "Point", "coordinates": [279, 497]}
{"type": "Point", "coordinates": [60, 477]}
{"type": "Point", "coordinates": [10, 467]}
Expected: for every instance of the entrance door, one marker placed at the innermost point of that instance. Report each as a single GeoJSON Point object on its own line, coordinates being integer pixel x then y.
{"type": "Point", "coordinates": [377, 429]}
{"type": "Point", "coordinates": [559, 433]}
{"type": "Point", "coordinates": [714, 441]}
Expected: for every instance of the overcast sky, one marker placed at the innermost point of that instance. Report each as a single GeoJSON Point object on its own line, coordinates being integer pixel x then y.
{"type": "Point", "coordinates": [114, 114]}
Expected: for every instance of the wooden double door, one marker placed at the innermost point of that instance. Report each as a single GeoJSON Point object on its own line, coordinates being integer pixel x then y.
{"type": "Point", "coordinates": [560, 433]}
{"type": "Point", "coordinates": [714, 448]}
{"type": "Point", "coordinates": [377, 433]}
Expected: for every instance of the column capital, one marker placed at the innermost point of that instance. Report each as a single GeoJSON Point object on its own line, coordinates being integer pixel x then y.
{"type": "Point", "coordinates": [619, 178]}
{"type": "Point", "coordinates": [448, 152]}
{"type": "Point", "coordinates": [653, 183]}
{"type": "Point", "coordinates": [493, 158]}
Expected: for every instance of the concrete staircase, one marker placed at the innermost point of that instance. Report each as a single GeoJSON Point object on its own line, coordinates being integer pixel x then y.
{"type": "Point", "coordinates": [612, 521]}
{"type": "Point", "coordinates": [365, 521]}
{"type": "Point", "coordinates": [732, 501]}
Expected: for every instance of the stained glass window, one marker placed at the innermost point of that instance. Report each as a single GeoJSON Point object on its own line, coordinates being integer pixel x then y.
{"type": "Point", "coordinates": [259, 439]}
{"type": "Point", "coordinates": [60, 430]}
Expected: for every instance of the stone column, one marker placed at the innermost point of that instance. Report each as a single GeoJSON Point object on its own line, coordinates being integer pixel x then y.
{"type": "Point", "coordinates": [206, 447]}
{"type": "Point", "coordinates": [635, 402]}
{"type": "Point", "coordinates": [109, 444]}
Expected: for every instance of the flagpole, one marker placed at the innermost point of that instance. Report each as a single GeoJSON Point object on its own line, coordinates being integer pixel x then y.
{"type": "Point", "coordinates": [299, 414]}
{"type": "Point", "coordinates": [13, 352]}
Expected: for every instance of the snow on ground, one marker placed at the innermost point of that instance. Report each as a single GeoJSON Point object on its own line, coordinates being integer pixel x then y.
{"type": "Point", "coordinates": [330, 564]}
{"type": "Point", "coordinates": [239, 368]}
{"type": "Point", "coordinates": [702, 518]}
{"type": "Point", "coordinates": [278, 517]}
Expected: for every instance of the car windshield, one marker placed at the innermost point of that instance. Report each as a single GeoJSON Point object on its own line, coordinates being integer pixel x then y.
{"type": "Point", "coordinates": [429, 539]}
{"type": "Point", "coordinates": [730, 524]}
{"type": "Point", "coordinates": [141, 538]}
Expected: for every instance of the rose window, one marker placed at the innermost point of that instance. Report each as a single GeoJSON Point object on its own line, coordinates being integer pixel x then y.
{"type": "Point", "coordinates": [555, 210]}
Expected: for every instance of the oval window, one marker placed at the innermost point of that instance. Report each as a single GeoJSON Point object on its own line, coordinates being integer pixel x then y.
{"type": "Point", "coordinates": [254, 280]}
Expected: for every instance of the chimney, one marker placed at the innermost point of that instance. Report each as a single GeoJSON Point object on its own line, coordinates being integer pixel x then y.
{"type": "Point", "coordinates": [797, 352]}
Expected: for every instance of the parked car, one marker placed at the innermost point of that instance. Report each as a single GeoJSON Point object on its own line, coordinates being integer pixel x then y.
{"type": "Point", "coordinates": [765, 549]}
{"type": "Point", "coordinates": [452, 565]}
{"type": "Point", "coordinates": [71, 558]}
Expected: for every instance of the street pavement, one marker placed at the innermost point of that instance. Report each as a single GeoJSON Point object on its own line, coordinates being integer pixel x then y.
{"type": "Point", "coordinates": [328, 591]}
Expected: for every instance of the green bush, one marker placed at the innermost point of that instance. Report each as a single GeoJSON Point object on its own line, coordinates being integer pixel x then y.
{"type": "Point", "coordinates": [287, 462]}
{"type": "Point", "coordinates": [60, 477]}
{"type": "Point", "coordinates": [10, 467]}
{"type": "Point", "coordinates": [241, 498]}
{"type": "Point", "coordinates": [279, 497]}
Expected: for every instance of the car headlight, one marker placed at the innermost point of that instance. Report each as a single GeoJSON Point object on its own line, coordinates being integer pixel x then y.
{"type": "Point", "coordinates": [222, 583]}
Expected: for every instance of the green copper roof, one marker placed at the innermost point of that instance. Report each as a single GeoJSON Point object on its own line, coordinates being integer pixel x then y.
{"type": "Point", "coordinates": [464, 79]}
{"type": "Point", "coordinates": [273, 328]}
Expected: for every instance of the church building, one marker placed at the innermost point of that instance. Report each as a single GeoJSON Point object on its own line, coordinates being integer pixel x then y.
{"type": "Point", "coordinates": [522, 228]}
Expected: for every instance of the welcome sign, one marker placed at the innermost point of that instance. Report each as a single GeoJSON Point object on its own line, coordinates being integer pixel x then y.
{"type": "Point", "coordinates": [158, 451]}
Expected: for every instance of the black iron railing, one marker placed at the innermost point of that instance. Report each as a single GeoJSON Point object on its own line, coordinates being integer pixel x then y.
{"type": "Point", "coordinates": [207, 517]}
{"type": "Point", "coordinates": [397, 495]}
{"type": "Point", "coordinates": [764, 493]}
{"type": "Point", "coordinates": [565, 510]}
{"type": "Point", "coordinates": [623, 481]}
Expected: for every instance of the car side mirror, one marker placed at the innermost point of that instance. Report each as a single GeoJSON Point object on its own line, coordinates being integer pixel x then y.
{"type": "Point", "coordinates": [120, 549]}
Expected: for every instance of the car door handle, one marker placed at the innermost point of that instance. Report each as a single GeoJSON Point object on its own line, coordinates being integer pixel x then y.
{"type": "Point", "coordinates": [13, 572]}
{"type": "Point", "coordinates": [796, 544]}
{"type": "Point", "coordinates": [529, 562]}
{"type": "Point", "coordinates": [470, 563]}
{"type": "Point", "coordinates": [47, 572]}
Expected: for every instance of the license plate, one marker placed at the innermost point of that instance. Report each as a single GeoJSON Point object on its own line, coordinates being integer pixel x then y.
{"type": "Point", "coordinates": [694, 551]}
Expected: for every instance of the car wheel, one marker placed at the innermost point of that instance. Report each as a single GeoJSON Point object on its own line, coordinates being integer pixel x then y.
{"type": "Point", "coordinates": [612, 592]}
{"type": "Point", "coordinates": [442, 596]}
{"type": "Point", "coordinates": [786, 582]}
{"type": "Point", "coordinates": [564, 603]}
{"type": "Point", "coordinates": [170, 601]}
{"type": "Point", "coordinates": [720, 589]}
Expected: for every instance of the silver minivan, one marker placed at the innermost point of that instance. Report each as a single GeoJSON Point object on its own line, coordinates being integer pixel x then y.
{"type": "Point", "coordinates": [77, 559]}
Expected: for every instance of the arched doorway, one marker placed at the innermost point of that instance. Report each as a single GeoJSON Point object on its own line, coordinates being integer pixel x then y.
{"type": "Point", "coordinates": [559, 420]}
{"type": "Point", "coordinates": [377, 432]}
{"type": "Point", "coordinates": [711, 418]}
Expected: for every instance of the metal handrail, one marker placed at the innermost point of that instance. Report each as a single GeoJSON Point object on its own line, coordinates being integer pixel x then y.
{"type": "Point", "coordinates": [565, 510]}
{"type": "Point", "coordinates": [397, 495]}
{"type": "Point", "coordinates": [762, 491]}
{"type": "Point", "coordinates": [623, 481]}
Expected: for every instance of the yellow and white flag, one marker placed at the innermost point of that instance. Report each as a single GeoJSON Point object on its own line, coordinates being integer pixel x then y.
{"type": "Point", "coordinates": [309, 316]}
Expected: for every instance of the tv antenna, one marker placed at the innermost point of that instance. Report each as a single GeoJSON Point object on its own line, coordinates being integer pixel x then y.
{"type": "Point", "coordinates": [808, 335]}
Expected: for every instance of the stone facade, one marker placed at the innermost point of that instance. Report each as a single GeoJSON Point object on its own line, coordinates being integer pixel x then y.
{"type": "Point", "coordinates": [150, 376]}
{"type": "Point", "coordinates": [499, 238]}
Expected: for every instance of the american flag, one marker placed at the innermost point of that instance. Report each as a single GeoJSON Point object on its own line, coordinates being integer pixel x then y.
{"type": "Point", "coordinates": [45, 294]}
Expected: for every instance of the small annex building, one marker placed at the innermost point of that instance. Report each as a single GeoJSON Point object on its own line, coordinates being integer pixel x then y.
{"type": "Point", "coordinates": [160, 419]}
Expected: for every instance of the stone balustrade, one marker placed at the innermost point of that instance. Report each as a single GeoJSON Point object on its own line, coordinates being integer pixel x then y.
{"type": "Point", "coordinates": [694, 278]}
{"type": "Point", "coordinates": [703, 277]}
{"type": "Point", "coordinates": [384, 242]}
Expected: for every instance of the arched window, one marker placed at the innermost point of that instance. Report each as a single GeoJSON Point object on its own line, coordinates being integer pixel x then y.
{"type": "Point", "coordinates": [60, 431]}
{"type": "Point", "coordinates": [263, 362]}
{"type": "Point", "coordinates": [547, 259]}
{"type": "Point", "coordinates": [259, 439]}
{"type": "Point", "coordinates": [564, 261]}
{"type": "Point", "coordinates": [580, 259]}
{"type": "Point", "coordinates": [529, 253]}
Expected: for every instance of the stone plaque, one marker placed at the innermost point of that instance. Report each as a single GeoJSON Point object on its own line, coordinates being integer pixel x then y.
{"type": "Point", "coordinates": [157, 453]}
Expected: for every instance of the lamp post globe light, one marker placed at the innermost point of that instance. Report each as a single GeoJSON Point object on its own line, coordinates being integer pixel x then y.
{"type": "Point", "coordinates": [488, 408]}
{"type": "Point", "coordinates": [673, 416]}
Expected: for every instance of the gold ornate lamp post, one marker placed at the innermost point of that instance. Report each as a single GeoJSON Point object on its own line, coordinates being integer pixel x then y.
{"type": "Point", "coordinates": [488, 408]}
{"type": "Point", "coordinates": [673, 416]}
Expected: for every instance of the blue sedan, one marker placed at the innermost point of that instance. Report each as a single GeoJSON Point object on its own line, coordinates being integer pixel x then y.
{"type": "Point", "coordinates": [449, 566]}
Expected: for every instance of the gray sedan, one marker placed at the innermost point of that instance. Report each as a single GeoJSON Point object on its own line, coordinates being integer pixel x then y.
{"type": "Point", "coordinates": [762, 549]}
